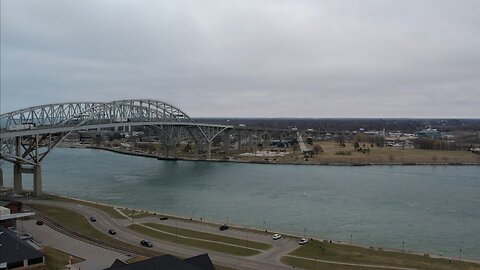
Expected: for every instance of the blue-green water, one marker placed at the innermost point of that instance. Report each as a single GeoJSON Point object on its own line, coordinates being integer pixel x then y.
{"type": "Point", "coordinates": [433, 209]}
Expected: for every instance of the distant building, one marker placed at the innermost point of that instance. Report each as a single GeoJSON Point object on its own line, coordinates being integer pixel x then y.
{"type": "Point", "coordinates": [16, 253]}
{"type": "Point", "coordinates": [200, 262]}
{"type": "Point", "coordinates": [429, 133]}
{"type": "Point", "coordinates": [10, 212]}
{"type": "Point", "coordinates": [14, 206]}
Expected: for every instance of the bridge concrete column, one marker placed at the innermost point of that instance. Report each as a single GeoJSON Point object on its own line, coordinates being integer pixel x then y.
{"type": "Point", "coordinates": [174, 150]}
{"type": "Point", "coordinates": [1, 178]}
{"type": "Point", "coordinates": [226, 143]}
{"type": "Point", "coordinates": [37, 180]}
{"type": "Point", "coordinates": [196, 148]}
{"type": "Point", "coordinates": [209, 150]}
{"type": "Point", "coordinates": [165, 149]}
{"type": "Point", "coordinates": [17, 178]}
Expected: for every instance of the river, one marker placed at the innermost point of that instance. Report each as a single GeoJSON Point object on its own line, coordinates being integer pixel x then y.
{"type": "Point", "coordinates": [429, 209]}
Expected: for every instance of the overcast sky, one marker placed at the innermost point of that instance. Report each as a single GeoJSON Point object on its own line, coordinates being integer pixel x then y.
{"type": "Point", "coordinates": [247, 58]}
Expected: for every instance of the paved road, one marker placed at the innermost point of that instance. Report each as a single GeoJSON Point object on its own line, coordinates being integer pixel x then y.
{"type": "Point", "coordinates": [280, 247]}
{"type": "Point", "coordinates": [266, 260]}
{"type": "Point", "coordinates": [95, 257]}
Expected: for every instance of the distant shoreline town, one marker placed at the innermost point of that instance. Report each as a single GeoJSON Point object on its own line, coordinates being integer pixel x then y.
{"type": "Point", "coordinates": [304, 142]}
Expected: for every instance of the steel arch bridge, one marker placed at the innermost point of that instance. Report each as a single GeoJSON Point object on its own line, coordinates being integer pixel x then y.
{"type": "Point", "coordinates": [28, 135]}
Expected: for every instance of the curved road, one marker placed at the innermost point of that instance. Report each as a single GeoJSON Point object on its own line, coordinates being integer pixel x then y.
{"type": "Point", "coordinates": [267, 260]}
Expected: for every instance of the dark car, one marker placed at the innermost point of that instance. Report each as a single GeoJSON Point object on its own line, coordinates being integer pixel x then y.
{"type": "Point", "coordinates": [146, 243]}
{"type": "Point", "coordinates": [93, 219]}
{"type": "Point", "coordinates": [39, 222]}
{"type": "Point", "coordinates": [163, 218]}
{"type": "Point", "coordinates": [112, 232]}
{"type": "Point", "coordinates": [223, 227]}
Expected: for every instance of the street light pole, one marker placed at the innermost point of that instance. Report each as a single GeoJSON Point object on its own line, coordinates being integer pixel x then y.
{"type": "Point", "coordinates": [460, 254]}
{"type": "Point", "coordinates": [246, 242]}
{"type": "Point", "coordinates": [131, 216]}
{"type": "Point", "coordinates": [176, 231]}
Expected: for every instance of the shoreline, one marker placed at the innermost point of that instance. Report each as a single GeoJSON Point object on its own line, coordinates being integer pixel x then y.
{"type": "Point", "coordinates": [146, 155]}
{"type": "Point", "coordinates": [241, 227]}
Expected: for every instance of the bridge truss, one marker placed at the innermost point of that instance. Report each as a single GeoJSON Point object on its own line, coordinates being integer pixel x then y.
{"type": "Point", "coordinates": [28, 135]}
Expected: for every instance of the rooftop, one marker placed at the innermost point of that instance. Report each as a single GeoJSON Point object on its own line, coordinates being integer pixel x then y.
{"type": "Point", "coordinates": [200, 262]}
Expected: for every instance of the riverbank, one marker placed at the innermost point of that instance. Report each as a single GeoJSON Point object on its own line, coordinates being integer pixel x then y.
{"type": "Point", "coordinates": [336, 251]}
{"type": "Point", "coordinates": [408, 202]}
{"type": "Point", "coordinates": [304, 161]}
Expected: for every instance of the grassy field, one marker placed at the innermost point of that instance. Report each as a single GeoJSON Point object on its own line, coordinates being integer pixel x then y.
{"type": "Point", "coordinates": [135, 214]}
{"type": "Point", "coordinates": [208, 236]}
{"type": "Point", "coordinates": [77, 222]}
{"type": "Point", "coordinates": [107, 209]}
{"type": "Point", "coordinates": [239, 251]}
{"type": "Point", "coordinates": [56, 259]}
{"type": "Point", "coordinates": [378, 155]}
{"type": "Point", "coordinates": [351, 254]}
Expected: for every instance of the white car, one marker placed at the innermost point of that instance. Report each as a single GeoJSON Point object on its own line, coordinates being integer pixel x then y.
{"type": "Point", "coordinates": [277, 236]}
{"type": "Point", "coordinates": [303, 241]}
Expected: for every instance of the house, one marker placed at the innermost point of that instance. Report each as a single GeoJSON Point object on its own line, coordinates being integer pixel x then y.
{"type": "Point", "coordinates": [167, 262]}
{"type": "Point", "coordinates": [8, 219]}
{"type": "Point", "coordinates": [14, 206]}
{"type": "Point", "coordinates": [16, 253]}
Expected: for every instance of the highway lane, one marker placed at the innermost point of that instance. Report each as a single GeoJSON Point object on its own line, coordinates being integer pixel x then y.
{"type": "Point", "coordinates": [95, 257]}
{"type": "Point", "coordinates": [280, 248]}
{"type": "Point", "coordinates": [266, 260]}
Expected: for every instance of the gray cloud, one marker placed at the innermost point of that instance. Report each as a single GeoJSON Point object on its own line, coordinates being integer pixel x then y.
{"type": "Point", "coordinates": [247, 58]}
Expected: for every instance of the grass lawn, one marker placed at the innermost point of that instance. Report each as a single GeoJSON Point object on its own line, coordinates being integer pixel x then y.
{"type": "Point", "coordinates": [378, 155]}
{"type": "Point", "coordinates": [391, 155]}
{"type": "Point", "coordinates": [208, 236]}
{"type": "Point", "coordinates": [352, 254]}
{"type": "Point", "coordinates": [239, 251]}
{"type": "Point", "coordinates": [135, 214]}
{"type": "Point", "coordinates": [312, 265]}
{"type": "Point", "coordinates": [56, 259]}
{"type": "Point", "coordinates": [138, 259]}
{"type": "Point", "coordinates": [107, 209]}
{"type": "Point", "coordinates": [76, 222]}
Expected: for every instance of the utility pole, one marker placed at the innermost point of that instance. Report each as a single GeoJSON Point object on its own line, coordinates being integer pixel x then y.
{"type": "Point", "coordinates": [246, 242]}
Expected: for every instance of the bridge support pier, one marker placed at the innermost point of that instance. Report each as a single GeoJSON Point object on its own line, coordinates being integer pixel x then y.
{"type": "Point", "coordinates": [226, 143]}
{"type": "Point", "coordinates": [1, 178]}
{"type": "Point", "coordinates": [209, 150]}
{"type": "Point", "coordinates": [17, 178]}
{"type": "Point", "coordinates": [174, 150]}
{"type": "Point", "coordinates": [196, 145]}
{"type": "Point", "coordinates": [37, 180]}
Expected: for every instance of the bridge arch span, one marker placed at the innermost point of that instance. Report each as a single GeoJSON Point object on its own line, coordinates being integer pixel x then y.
{"type": "Point", "coordinates": [28, 135]}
